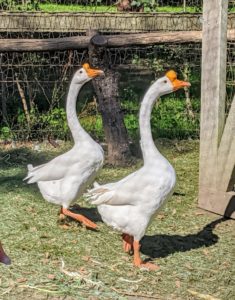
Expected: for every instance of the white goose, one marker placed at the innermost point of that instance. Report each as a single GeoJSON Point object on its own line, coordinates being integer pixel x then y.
{"type": "Point", "coordinates": [63, 179]}
{"type": "Point", "coordinates": [129, 204]}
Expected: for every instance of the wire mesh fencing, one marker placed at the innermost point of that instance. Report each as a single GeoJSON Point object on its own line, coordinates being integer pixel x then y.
{"type": "Point", "coordinates": [40, 80]}
{"type": "Point", "coordinates": [103, 5]}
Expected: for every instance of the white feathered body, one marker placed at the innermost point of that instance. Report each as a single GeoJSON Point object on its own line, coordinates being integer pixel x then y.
{"type": "Point", "coordinates": [129, 204]}
{"type": "Point", "coordinates": [63, 179]}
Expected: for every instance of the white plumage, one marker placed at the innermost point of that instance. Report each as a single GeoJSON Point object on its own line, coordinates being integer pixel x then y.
{"type": "Point", "coordinates": [129, 204]}
{"type": "Point", "coordinates": [63, 179]}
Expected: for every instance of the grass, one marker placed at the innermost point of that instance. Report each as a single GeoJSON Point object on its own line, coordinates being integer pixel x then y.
{"type": "Point", "coordinates": [195, 252]}
{"type": "Point", "coordinates": [48, 7]}
{"type": "Point", "coordinates": [103, 8]}
{"type": "Point", "coordinates": [76, 8]}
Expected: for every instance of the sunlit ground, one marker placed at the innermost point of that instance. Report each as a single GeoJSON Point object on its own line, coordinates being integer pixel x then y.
{"type": "Point", "coordinates": [195, 252]}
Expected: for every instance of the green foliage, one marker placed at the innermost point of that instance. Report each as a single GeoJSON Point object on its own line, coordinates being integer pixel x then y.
{"type": "Point", "coordinates": [169, 118]}
{"type": "Point", "coordinates": [19, 5]}
{"type": "Point", "coordinates": [94, 5]}
{"type": "Point", "coordinates": [53, 123]}
{"type": "Point", "coordinates": [5, 133]}
{"type": "Point", "coordinates": [55, 120]}
{"type": "Point", "coordinates": [93, 125]}
{"type": "Point", "coordinates": [41, 125]}
{"type": "Point", "coordinates": [149, 5]}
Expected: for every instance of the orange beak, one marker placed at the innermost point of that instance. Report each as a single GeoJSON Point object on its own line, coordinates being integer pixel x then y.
{"type": "Point", "coordinates": [177, 84]}
{"type": "Point", "coordinates": [92, 72]}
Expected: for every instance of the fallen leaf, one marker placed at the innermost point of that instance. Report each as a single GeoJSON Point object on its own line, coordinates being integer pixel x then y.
{"type": "Point", "coordinates": [205, 252]}
{"type": "Point", "coordinates": [86, 258]}
{"type": "Point", "coordinates": [31, 209]}
{"type": "Point", "coordinates": [125, 258]}
{"type": "Point", "coordinates": [178, 284]}
{"type": "Point", "coordinates": [161, 216]}
{"type": "Point", "coordinates": [44, 236]}
{"type": "Point", "coordinates": [202, 296]}
{"type": "Point", "coordinates": [199, 213]}
{"type": "Point", "coordinates": [188, 266]}
{"type": "Point", "coordinates": [45, 261]}
{"type": "Point", "coordinates": [64, 226]}
{"type": "Point", "coordinates": [51, 276]}
{"type": "Point", "coordinates": [62, 217]}
{"type": "Point", "coordinates": [20, 280]}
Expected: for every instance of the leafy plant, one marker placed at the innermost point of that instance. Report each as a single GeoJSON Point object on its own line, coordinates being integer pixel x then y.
{"type": "Point", "coordinates": [169, 118]}
{"type": "Point", "coordinates": [19, 5]}
{"type": "Point", "coordinates": [93, 125]}
{"type": "Point", "coordinates": [148, 5]}
{"type": "Point", "coordinates": [55, 122]}
{"type": "Point", "coordinates": [5, 133]}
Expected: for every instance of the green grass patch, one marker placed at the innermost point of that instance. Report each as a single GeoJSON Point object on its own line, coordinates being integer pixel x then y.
{"type": "Point", "coordinates": [76, 8]}
{"type": "Point", "coordinates": [103, 8]}
{"type": "Point", "coordinates": [50, 7]}
{"type": "Point", "coordinates": [178, 9]}
{"type": "Point", "coordinates": [195, 252]}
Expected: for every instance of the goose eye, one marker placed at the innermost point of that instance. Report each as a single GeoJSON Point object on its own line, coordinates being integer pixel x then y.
{"type": "Point", "coordinates": [80, 72]}
{"type": "Point", "coordinates": [165, 81]}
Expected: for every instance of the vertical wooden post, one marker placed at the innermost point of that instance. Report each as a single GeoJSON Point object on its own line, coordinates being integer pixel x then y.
{"type": "Point", "coordinates": [214, 48]}
{"type": "Point", "coordinates": [213, 90]}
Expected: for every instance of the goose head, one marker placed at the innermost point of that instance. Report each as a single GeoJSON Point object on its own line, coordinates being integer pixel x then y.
{"type": "Point", "coordinates": [169, 83]}
{"type": "Point", "coordinates": [85, 74]}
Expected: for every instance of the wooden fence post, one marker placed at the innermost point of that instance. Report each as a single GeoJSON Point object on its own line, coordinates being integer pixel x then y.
{"type": "Point", "coordinates": [217, 139]}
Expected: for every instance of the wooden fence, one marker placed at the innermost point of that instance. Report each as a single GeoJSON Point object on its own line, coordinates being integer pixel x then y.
{"type": "Point", "coordinates": [111, 22]}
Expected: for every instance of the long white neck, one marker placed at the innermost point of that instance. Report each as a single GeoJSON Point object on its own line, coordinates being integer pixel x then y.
{"type": "Point", "coordinates": [147, 144]}
{"type": "Point", "coordinates": [78, 133]}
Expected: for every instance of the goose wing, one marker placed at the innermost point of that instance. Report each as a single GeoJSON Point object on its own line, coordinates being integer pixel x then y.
{"type": "Point", "coordinates": [123, 192]}
{"type": "Point", "coordinates": [53, 170]}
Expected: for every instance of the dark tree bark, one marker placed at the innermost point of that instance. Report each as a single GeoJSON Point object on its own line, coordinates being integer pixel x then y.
{"type": "Point", "coordinates": [3, 95]}
{"type": "Point", "coordinates": [109, 106]}
{"type": "Point", "coordinates": [125, 5]}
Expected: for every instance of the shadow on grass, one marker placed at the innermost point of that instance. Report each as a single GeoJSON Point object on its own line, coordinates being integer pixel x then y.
{"type": "Point", "coordinates": [89, 212]}
{"type": "Point", "coordinates": [162, 245]}
{"type": "Point", "coordinates": [20, 157]}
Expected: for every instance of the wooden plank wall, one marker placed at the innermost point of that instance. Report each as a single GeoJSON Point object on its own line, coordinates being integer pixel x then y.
{"type": "Point", "coordinates": [111, 22]}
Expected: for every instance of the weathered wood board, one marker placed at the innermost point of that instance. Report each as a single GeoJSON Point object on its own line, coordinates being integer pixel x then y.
{"type": "Point", "coordinates": [120, 40]}
{"type": "Point", "coordinates": [103, 22]}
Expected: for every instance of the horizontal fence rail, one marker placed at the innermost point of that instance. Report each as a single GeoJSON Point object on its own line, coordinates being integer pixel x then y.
{"type": "Point", "coordinates": [80, 42]}
{"type": "Point", "coordinates": [110, 22]}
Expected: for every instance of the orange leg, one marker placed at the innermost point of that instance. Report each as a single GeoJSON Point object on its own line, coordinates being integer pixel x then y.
{"type": "Point", "coordinates": [3, 257]}
{"type": "Point", "coordinates": [138, 262]}
{"type": "Point", "coordinates": [79, 218]}
{"type": "Point", "coordinates": [127, 242]}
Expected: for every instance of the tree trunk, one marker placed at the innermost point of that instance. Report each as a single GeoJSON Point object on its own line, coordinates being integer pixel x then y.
{"type": "Point", "coordinates": [110, 108]}
{"type": "Point", "coordinates": [187, 95]}
{"type": "Point", "coordinates": [3, 95]}
{"type": "Point", "coordinates": [23, 100]}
